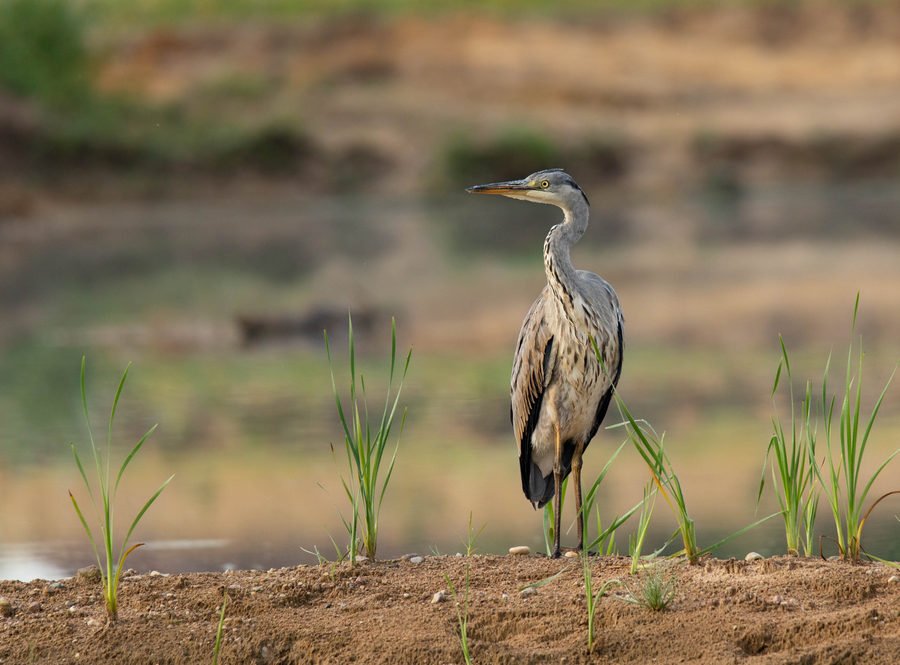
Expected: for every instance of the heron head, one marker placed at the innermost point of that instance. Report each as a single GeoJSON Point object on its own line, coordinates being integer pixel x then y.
{"type": "Point", "coordinates": [552, 186]}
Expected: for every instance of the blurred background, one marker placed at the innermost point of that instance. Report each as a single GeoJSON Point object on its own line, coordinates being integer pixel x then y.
{"type": "Point", "coordinates": [200, 187]}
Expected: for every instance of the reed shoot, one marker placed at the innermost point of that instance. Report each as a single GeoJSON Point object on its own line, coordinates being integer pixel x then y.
{"type": "Point", "coordinates": [103, 498]}
{"type": "Point", "coordinates": [462, 615]}
{"type": "Point", "coordinates": [841, 473]}
{"type": "Point", "coordinates": [365, 444]}
{"type": "Point", "coordinates": [793, 461]}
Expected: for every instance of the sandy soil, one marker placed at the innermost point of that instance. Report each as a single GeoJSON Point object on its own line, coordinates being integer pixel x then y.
{"type": "Point", "coordinates": [776, 610]}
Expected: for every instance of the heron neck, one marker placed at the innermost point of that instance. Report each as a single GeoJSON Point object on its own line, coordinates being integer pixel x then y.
{"type": "Point", "coordinates": [557, 250]}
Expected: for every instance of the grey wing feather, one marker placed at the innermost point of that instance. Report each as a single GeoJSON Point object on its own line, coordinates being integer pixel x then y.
{"type": "Point", "coordinates": [610, 341]}
{"type": "Point", "coordinates": [532, 370]}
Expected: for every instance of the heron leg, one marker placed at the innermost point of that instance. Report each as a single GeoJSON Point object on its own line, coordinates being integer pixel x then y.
{"type": "Point", "coordinates": [576, 471]}
{"type": "Point", "coordinates": [557, 495]}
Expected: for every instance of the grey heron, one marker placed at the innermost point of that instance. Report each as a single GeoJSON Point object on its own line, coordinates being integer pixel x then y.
{"type": "Point", "coordinates": [559, 390]}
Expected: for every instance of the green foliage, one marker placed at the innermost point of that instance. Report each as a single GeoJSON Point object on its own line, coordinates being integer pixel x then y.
{"type": "Point", "coordinates": [181, 11]}
{"type": "Point", "coordinates": [462, 615]}
{"type": "Point", "coordinates": [42, 51]}
{"type": "Point", "coordinates": [110, 569]}
{"type": "Point", "coordinates": [651, 448]}
{"type": "Point", "coordinates": [793, 459]}
{"type": "Point", "coordinates": [605, 540]}
{"type": "Point", "coordinates": [592, 598]}
{"type": "Point", "coordinates": [365, 443]}
{"type": "Point", "coordinates": [472, 536]}
{"type": "Point", "coordinates": [655, 591]}
{"type": "Point", "coordinates": [511, 154]}
{"type": "Point", "coordinates": [217, 647]}
{"type": "Point", "coordinates": [549, 522]}
{"type": "Point", "coordinates": [636, 539]}
{"type": "Point", "coordinates": [845, 488]}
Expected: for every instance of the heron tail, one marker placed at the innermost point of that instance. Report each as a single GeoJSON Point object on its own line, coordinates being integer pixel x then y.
{"type": "Point", "coordinates": [539, 489]}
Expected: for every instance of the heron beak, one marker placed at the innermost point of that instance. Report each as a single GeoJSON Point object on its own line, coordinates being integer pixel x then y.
{"type": "Point", "coordinates": [509, 187]}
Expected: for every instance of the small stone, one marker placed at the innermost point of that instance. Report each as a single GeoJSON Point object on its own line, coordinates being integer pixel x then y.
{"type": "Point", "coordinates": [893, 579]}
{"type": "Point", "coordinates": [6, 608]}
{"type": "Point", "coordinates": [753, 556]}
{"type": "Point", "coordinates": [416, 559]}
{"type": "Point", "coordinates": [407, 557]}
{"type": "Point", "coordinates": [439, 597]}
{"type": "Point", "coordinates": [520, 550]}
{"type": "Point", "coordinates": [406, 595]}
{"type": "Point", "coordinates": [73, 609]}
{"type": "Point", "coordinates": [730, 591]}
{"type": "Point", "coordinates": [156, 573]}
{"type": "Point", "coordinates": [34, 607]}
{"type": "Point", "coordinates": [92, 622]}
{"type": "Point", "coordinates": [361, 558]}
{"type": "Point", "coordinates": [571, 554]}
{"type": "Point", "coordinates": [504, 596]}
{"type": "Point", "coordinates": [88, 574]}
{"type": "Point", "coordinates": [528, 591]}
{"type": "Point", "coordinates": [776, 599]}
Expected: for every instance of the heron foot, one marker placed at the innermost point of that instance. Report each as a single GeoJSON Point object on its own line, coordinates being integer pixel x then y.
{"type": "Point", "coordinates": [557, 553]}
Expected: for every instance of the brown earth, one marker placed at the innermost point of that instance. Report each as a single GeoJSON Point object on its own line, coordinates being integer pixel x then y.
{"type": "Point", "coordinates": [778, 610]}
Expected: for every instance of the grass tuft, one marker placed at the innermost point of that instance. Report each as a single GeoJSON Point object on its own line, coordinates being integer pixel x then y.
{"type": "Point", "coordinates": [841, 473]}
{"type": "Point", "coordinates": [793, 461]}
{"type": "Point", "coordinates": [472, 536]}
{"type": "Point", "coordinates": [655, 590]}
{"type": "Point", "coordinates": [365, 443]}
{"type": "Point", "coordinates": [103, 500]}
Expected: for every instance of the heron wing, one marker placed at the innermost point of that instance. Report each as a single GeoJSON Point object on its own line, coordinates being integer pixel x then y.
{"type": "Point", "coordinates": [616, 371]}
{"type": "Point", "coordinates": [609, 337]}
{"type": "Point", "coordinates": [532, 370]}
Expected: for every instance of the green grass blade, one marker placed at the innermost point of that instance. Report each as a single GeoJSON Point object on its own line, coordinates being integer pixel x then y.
{"type": "Point", "coordinates": [737, 533]}
{"type": "Point", "coordinates": [143, 510]}
{"type": "Point", "coordinates": [868, 486]}
{"type": "Point", "coordinates": [217, 646]}
{"type": "Point", "coordinates": [614, 525]}
{"type": "Point", "coordinates": [120, 566]}
{"type": "Point", "coordinates": [83, 474]}
{"type": "Point", "coordinates": [131, 455]}
{"type": "Point", "coordinates": [87, 530]}
{"type": "Point", "coordinates": [115, 404]}
{"type": "Point", "coordinates": [545, 581]}
{"type": "Point", "coordinates": [90, 429]}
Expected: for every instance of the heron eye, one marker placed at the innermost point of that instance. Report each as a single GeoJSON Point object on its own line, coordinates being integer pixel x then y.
{"type": "Point", "coordinates": [545, 184]}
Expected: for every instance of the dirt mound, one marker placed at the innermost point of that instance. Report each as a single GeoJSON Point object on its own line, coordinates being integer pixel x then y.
{"type": "Point", "coordinates": [775, 610]}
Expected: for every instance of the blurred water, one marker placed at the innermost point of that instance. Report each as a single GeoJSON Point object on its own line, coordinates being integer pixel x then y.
{"type": "Point", "coordinates": [161, 284]}
{"type": "Point", "coordinates": [56, 560]}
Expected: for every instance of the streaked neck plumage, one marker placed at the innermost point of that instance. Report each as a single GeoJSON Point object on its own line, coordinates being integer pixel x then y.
{"type": "Point", "coordinates": [558, 246]}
